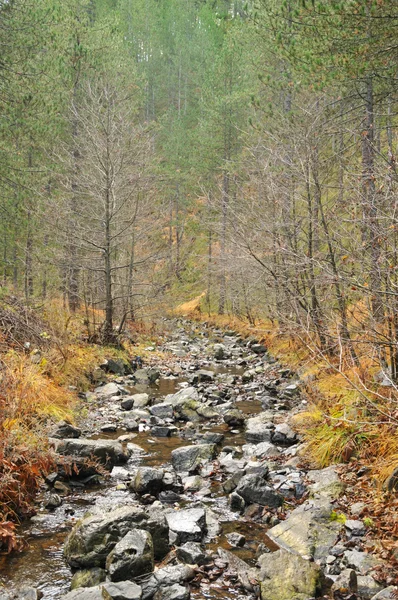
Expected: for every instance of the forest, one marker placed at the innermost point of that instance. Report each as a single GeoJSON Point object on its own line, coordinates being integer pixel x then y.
{"type": "Point", "coordinates": [231, 160]}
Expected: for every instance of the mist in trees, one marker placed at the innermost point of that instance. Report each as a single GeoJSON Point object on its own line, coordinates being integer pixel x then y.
{"type": "Point", "coordinates": [153, 151]}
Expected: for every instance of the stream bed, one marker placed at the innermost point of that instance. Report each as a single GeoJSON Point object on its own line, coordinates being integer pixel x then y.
{"type": "Point", "coordinates": [214, 392]}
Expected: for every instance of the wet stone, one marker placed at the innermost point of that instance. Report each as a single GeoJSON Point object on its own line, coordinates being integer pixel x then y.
{"type": "Point", "coordinates": [131, 557]}
{"type": "Point", "coordinates": [191, 553]}
{"type": "Point", "coordinates": [186, 525]}
{"type": "Point", "coordinates": [188, 458]}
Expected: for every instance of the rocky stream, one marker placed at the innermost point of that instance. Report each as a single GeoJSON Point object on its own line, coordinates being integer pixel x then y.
{"type": "Point", "coordinates": [207, 496]}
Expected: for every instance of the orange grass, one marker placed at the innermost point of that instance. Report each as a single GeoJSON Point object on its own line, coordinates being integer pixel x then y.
{"type": "Point", "coordinates": [345, 418]}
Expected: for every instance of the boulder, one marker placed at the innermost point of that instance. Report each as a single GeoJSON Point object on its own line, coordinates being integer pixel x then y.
{"type": "Point", "coordinates": [368, 587]}
{"type": "Point", "coordinates": [140, 400]}
{"type": "Point", "coordinates": [127, 403]}
{"type": "Point", "coordinates": [258, 348]}
{"type": "Point", "coordinates": [149, 375]}
{"type": "Point", "coordinates": [162, 410]}
{"type": "Point", "coordinates": [187, 410]}
{"type": "Point", "coordinates": [131, 557]}
{"type": "Point", "coordinates": [108, 452]}
{"type": "Point", "coordinates": [164, 578]}
{"type": "Point", "coordinates": [234, 418]}
{"type": "Point", "coordinates": [108, 390]}
{"type": "Point", "coordinates": [63, 429]}
{"type": "Point", "coordinates": [325, 483]}
{"type": "Point", "coordinates": [247, 576]}
{"type": "Point", "coordinates": [284, 576]}
{"type": "Point", "coordinates": [308, 531]}
{"type": "Point", "coordinates": [147, 480]}
{"type": "Point", "coordinates": [189, 458]}
{"type": "Point", "coordinates": [116, 366]}
{"type": "Point", "coordinates": [259, 429]}
{"type": "Point", "coordinates": [186, 525]}
{"type": "Point", "coordinates": [188, 393]}
{"type": "Point", "coordinates": [248, 376]}
{"type": "Point", "coordinates": [361, 561]}
{"type": "Point", "coordinates": [203, 376]}
{"type": "Point", "coordinates": [283, 435]}
{"type": "Point", "coordinates": [191, 553]}
{"type": "Point", "coordinates": [94, 536]}
{"type": "Point", "coordinates": [255, 490]}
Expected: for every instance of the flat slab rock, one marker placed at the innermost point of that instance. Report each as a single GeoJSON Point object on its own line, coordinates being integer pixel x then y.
{"type": "Point", "coordinates": [308, 531]}
{"type": "Point", "coordinates": [284, 576]}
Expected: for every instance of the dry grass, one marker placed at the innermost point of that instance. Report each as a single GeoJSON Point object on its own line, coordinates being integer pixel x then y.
{"type": "Point", "coordinates": [350, 416]}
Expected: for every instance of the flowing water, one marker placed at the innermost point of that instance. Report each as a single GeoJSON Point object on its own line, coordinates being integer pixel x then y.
{"type": "Point", "coordinates": [42, 565]}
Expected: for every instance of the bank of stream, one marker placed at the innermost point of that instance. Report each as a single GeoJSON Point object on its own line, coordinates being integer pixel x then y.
{"type": "Point", "coordinates": [239, 495]}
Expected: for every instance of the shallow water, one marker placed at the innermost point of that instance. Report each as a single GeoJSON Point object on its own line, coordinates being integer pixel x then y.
{"type": "Point", "coordinates": [42, 565]}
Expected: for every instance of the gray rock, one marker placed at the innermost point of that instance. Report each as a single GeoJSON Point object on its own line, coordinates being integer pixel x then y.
{"type": "Point", "coordinates": [123, 590]}
{"type": "Point", "coordinates": [236, 502]}
{"type": "Point", "coordinates": [127, 403]}
{"type": "Point", "coordinates": [254, 489]}
{"type": "Point", "coordinates": [248, 577]}
{"type": "Point", "coordinates": [140, 400]}
{"type": "Point", "coordinates": [355, 527]}
{"type": "Point", "coordinates": [368, 587]}
{"type": "Point", "coordinates": [186, 525]}
{"type": "Point", "coordinates": [108, 390]}
{"type": "Point", "coordinates": [108, 452]}
{"type": "Point", "coordinates": [326, 483]}
{"type": "Point", "coordinates": [188, 458]}
{"type": "Point", "coordinates": [284, 576]}
{"type": "Point", "coordinates": [258, 348]}
{"type": "Point", "coordinates": [248, 376]}
{"type": "Point", "coordinates": [388, 593]}
{"type": "Point", "coordinates": [147, 480]}
{"type": "Point", "coordinates": [204, 376]}
{"type": "Point", "coordinates": [166, 577]}
{"type": "Point", "coordinates": [361, 561]}
{"type": "Point", "coordinates": [131, 557]}
{"type": "Point", "coordinates": [308, 531]}
{"type": "Point", "coordinates": [283, 435]}
{"type": "Point", "coordinates": [63, 429]}
{"type": "Point", "coordinates": [29, 593]}
{"type": "Point", "coordinates": [189, 393]}
{"type": "Point", "coordinates": [94, 536]}
{"type": "Point", "coordinates": [164, 431]}
{"type": "Point", "coordinates": [261, 450]}
{"type": "Point", "coordinates": [345, 583]}
{"type": "Point", "coordinates": [162, 410]}
{"type": "Point", "coordinates": [191, 553]}
{"type": "Point", "coordinates": [220, 352]}
{"type": "Point", "coordinates": [144, 376]}
{"type": "Point", "coordinates": [259, 429]}
{"type": "Point", "coordinates": [236, 540]}
{"type": "Point", "coordinates": [234, 418]}
{"type": "Point", "coordinates": [172, 592]}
